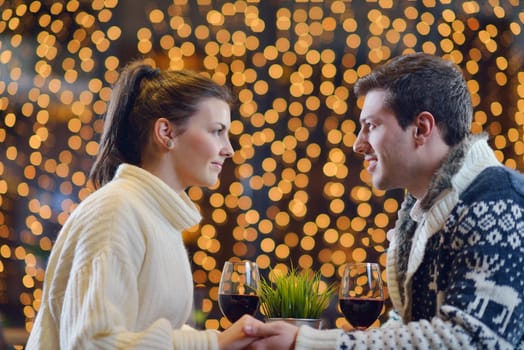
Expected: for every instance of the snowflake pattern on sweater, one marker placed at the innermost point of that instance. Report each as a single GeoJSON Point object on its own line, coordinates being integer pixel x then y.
{"type": "Point", "coordinates": [477, 258]}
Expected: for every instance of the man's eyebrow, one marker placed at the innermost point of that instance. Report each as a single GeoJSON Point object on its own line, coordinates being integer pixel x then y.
{"type": "Point", "coordinates": [362, 119]}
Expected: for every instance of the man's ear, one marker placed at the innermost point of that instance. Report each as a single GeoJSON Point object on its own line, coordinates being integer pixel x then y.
{"type": "Point", "coordinates": [164, 133]}
{"type": "Point", "coordinates": [424, 126]}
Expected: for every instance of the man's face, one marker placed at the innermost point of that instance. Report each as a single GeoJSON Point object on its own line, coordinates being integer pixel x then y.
{"type": "Point", "coordinates": [388, 149]}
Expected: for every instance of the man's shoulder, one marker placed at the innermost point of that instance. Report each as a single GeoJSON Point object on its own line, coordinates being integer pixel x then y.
{"type": "Point", "coordinates": [497, 181]}
{"type": "Point", "coordinates": [517, 180]}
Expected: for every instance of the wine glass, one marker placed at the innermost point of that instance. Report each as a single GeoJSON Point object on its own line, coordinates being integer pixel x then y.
{"type": "Point", "coordinates": [237, 291]}
{"type": "Point", "coordinates": [361, 295]}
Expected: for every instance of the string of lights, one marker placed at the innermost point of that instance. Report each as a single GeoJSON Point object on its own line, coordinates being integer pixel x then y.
{"type": "Point", "coordinates": [294, 192]}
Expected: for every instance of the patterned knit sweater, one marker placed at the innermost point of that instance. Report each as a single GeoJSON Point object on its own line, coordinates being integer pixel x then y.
{"type": "Point", "coordinates": [455, 263]}
{"type": "Point", "coordinates": [119, 275]}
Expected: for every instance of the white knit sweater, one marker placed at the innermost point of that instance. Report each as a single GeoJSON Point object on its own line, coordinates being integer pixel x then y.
{"type": "Point", "coordinates": [119, 275]}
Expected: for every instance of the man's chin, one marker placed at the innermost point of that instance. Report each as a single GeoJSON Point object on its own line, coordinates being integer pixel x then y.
{"type": "Point", "coordinates": [383, 186]}
{"type": "Point", "coordinates": [379, 184]}
{"type": "Point", "coordinates": [375, 180]}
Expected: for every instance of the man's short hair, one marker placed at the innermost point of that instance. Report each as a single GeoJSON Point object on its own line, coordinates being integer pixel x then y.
{"type": "Point", "coordinates": [420, 82]}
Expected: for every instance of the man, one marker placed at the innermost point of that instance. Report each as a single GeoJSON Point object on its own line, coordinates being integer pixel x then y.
{"type": "Point", "coordinates": [455, 267]}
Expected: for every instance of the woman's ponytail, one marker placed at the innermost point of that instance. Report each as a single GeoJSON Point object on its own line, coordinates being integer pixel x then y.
{"type": "Point", "coordinates": [118, 144]}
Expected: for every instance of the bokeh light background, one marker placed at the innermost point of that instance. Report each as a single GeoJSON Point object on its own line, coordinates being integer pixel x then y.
{"type": "Point", "coordinates": [294, 192]}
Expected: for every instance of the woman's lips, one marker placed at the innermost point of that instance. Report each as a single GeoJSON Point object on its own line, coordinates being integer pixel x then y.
{"type": "Point", "coordinates": [216, 165]}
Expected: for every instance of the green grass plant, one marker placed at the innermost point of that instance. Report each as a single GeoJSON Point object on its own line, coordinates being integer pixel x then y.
{"type": "Point", "coordinates": [296, 294]}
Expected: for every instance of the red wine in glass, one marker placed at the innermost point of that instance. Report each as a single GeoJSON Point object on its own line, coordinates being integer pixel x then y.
{"type": "Point", "coordinates": [237, 291]}
{"type": "Point", "coordinates": [233, 306]}
{"type": "Point", "coordinates": [361, 295]}
{"type": "Point", "coordinates": [361, 312]}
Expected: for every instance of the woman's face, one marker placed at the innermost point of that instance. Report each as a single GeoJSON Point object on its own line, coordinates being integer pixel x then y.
{"type": "Point", "coordinates": [203, 146]}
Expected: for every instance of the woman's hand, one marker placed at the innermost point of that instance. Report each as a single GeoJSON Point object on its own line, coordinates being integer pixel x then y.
{"type": "Point", "coordinates": [235, 337]}
{"type": "Point", "coordinates": [272, 335]}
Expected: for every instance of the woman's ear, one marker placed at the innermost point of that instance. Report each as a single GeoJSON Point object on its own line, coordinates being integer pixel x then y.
{"type": "Point", "coordinates": [164, 133]}
{"type": "Point", "coordinates": [424, 127]}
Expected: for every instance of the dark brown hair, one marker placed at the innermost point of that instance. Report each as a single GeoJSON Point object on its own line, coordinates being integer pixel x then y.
{"type": "Point", "coordinates": [141, 95]}
{"type": "Point", "coordinates": [421, 82]}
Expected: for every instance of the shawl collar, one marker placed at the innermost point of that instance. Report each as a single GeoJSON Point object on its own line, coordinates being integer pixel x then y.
{"type": "Point", "coordinates": [406, 251]}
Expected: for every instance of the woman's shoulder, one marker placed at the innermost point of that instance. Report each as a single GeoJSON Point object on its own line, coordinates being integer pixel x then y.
{"type": "Point", "coordinates": [111, 196]}
{"type": "Point", "coordinates": [107, 213]}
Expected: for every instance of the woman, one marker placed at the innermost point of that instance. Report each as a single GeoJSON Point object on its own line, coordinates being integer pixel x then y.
{"type": "Point", "coordinates": [119, 275]}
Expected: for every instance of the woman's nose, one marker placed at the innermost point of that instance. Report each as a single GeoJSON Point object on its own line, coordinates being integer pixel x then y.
{"type": "Point", "coordinates": [227, 150]}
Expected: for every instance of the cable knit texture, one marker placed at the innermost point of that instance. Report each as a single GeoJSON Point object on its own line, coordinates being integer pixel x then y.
{"type": "Point", "coordinates": [455, 264]}
{"type": "Point", "coordinates": [119, 276]}
{"type": "Point", "coordinates": [310, 338]}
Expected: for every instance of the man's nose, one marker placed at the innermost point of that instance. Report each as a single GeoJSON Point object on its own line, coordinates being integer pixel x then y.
{"type": "Point", "coordinates": [360, 145]}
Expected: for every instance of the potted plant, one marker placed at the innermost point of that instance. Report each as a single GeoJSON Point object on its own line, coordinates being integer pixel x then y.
{"type": "Point", "coordinates": [297, 297]}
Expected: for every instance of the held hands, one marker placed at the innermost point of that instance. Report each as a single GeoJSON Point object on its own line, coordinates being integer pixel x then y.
{"type": "Point", "coordinates": [235, 337]}
{"type": "Point", "coordinates": [250, 333]}
{"type": "Point", "coordinates": [273, 335]}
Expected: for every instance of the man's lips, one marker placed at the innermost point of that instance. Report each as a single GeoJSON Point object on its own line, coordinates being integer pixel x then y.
{"type": "Point", "coordinates": [372, 163]}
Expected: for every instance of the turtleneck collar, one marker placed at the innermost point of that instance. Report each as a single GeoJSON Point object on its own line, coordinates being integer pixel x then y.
{"type": "Point", "coordinates": [176, 207]}
{"type": "Point", "coordinates": [464, 162]}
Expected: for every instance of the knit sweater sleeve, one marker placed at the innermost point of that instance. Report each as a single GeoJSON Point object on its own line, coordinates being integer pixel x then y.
{"type": "Point", "coordinates": [456, 330]}
{"type": "Point", "coordinates": [415, 335]}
